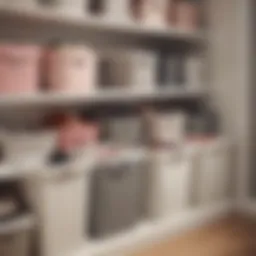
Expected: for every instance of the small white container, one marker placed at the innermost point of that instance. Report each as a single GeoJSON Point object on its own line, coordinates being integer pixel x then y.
{"type": "Point", "coordinates": [117, 11]}
{"type": "Point", "coordinates": [59, 196]}
{"type": "Point", "coordinates": [73, 7]}
{"type": "Point", "coordinates": [30, 148]}
{"type": "Point", "coordinates": [170, 184]}
{"type": "Point", "coordinates": [214, 178]}
{"type": "Point", "coordinates": [169, 128]}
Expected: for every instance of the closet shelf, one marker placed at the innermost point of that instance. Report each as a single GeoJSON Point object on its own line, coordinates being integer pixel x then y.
{"type": "Point", "coordinates": [104, 97]}
{"type": "Point", "coordinates": [153, 231]}
{"type": "Point", "coordinates": [39, 15]}
{"type": "Point", "coordinates": [21, 223]}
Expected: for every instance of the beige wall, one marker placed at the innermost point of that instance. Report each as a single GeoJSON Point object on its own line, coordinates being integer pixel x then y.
{"type": "Point", "coordinates": [229, 83]}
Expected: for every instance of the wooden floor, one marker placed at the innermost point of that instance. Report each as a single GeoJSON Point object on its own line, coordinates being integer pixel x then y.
{"type": "Point", "coordinates": [232, 236]}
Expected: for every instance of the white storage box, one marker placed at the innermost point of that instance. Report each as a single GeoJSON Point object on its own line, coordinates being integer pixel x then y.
{"type": "Point", "coordinates": [168, 128]}
{"type": "Point", "coordinates": [60, 197]}
{"type": "Point", "coordinates": [170, 184]}
{"type": "Point", "coordinates": [73, 7]}
{"type": "Point", "coordinates": [117, 11]}
{"type": "Point", "coordinates": [214, 177]}
{"type": "Point", "coordinates": [30, 148]}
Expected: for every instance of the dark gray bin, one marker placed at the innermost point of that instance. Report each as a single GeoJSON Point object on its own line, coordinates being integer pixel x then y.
{"type": "Point", "coordinates": [117, 198]}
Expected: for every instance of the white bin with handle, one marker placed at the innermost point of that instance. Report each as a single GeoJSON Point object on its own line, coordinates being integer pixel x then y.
{"type": "Point", "coordinates": [170, 183]}
{"type": "Point", "coordinates": [60, 196]}
{"type": "Point", "coordinates": [213, 183]}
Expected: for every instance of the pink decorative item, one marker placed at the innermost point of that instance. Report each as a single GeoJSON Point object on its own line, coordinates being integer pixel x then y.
{"type": "Point", "coordinates": [187, 15]}
{"type": "Point", "coordinates": [75, 134]}
{"type": "Point", "coordinates": [71, 69]}
{"type": "Point", "coordinates": [19, 68]}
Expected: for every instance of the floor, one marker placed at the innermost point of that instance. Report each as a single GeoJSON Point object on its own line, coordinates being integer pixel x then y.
{"type": "Point", "coordinates": [232, 236]}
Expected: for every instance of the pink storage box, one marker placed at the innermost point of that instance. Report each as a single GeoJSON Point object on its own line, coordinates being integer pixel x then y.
{"type": "Point", "coordinates": [19, 68]}
{"type": "Point", "coordinates": [71, 69]}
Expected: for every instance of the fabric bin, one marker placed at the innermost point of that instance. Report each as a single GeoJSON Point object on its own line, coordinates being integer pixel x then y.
{"type": "Point", "coordinates": [23, 148]}
{"type": "Point", "coordinates": [19, 68]}
{"type": "Point", "coordinates": [59, 196]}
{"type": "Point", "coordinates": [116, 198]}
{"type": "Point", "coordinates": [213, 184]}
{"type": "Point", "coordinates": [170, 184]}
{"type": "Point", "coordinates": [16, 243]}
{"type": "Point", "coordinates": [171, 70]}
{"type": "Point", "coordinates": [115, 70]}
{"type": "Point", "coordinates": [71, 69]}
{"type": "Point", "coordinates": [76, 7]}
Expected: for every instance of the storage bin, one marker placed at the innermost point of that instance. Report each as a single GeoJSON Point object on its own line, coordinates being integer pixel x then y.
{"type": "Point", "coordinates": [170, 183]}
{"type": "Point", "coordinates": [144, 75]}
{"type": "Point", "coordinates": [71, 69]}
{"type": "Point", "coordinates": [74, 7]}
{"type": "Point", "coordinates": [214, 178]}
{"type": "Point", "coordinates": [28, 148]}
{"type": "Point", "coordinates": [59, 195]}
{"type": "Point", "coordinates": [168, 128]}
{"type": "Point", "coordinates": [117, 11]}
{"type": "Point", "coordinates": [130, 70]}
{"type": "Point", "coordinates": [171, 70]}
{"type": "Point", "coordinates": [16, 243]}
{"type": "Point", "coordinates": [116, 198]}
{"type": "Point", "coordinates": [124, 131]}
{"type": "Point", "coordinates": [19, 68]}
{"type": "Point", "coordinates": [149, 12]}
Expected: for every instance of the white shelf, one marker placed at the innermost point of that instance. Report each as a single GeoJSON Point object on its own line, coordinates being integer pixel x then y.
{"type": "Point", "coordinates": [42, 15]}
{"type": "Point", "coordinates": [104, 97]}
{"type": "Point", "coordinates": [21, 223]}
{"type": "Point", "coordinates": [151, 232]}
